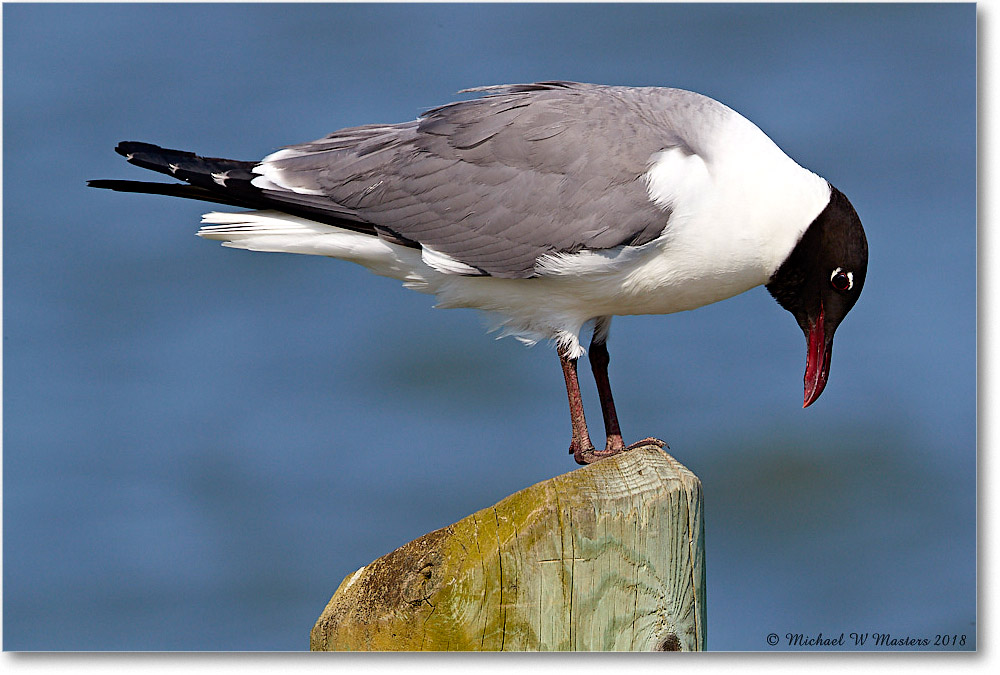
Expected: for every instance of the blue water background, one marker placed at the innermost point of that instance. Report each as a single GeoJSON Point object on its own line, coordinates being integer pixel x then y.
{"type": "Point", "coordinates": [200, 443]}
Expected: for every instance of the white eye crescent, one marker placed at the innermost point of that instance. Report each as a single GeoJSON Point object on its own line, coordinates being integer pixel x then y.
{"type": "Point", "coordinates": [841, 280]}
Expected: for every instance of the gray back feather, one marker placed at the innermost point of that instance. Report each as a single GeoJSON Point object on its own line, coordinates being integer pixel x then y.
{"type": "Point", "coordinates": [500, 181]}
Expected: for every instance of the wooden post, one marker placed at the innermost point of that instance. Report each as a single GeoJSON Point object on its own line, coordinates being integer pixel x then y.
{"type": "Point", "coordinates": [609, 557]}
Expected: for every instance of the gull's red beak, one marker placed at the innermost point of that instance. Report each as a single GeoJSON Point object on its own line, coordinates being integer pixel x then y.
{"type": "Point", "coordinates": [817, 360]}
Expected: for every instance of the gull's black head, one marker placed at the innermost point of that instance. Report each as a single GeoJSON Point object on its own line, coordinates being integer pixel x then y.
{"type": "Point", "coordinates": [820, 281]}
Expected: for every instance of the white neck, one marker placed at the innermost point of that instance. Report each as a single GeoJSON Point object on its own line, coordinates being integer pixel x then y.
{"type": "Point", "coordinates": [740, 201]}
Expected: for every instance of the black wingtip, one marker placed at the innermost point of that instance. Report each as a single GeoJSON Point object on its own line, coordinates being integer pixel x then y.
{"type": "Point", "coordinates": [124, 148]}
{"type": "Point", "coordinates": [220, 181]}
{"type": "Point", "coordinates": [155, 157]}
{"type": "Point", "coordinates": [127, 148]}
{"type": "Point", "coordinates": [131, 185]}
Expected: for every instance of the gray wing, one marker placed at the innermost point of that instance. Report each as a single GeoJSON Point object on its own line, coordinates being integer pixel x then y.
{"type": "Point", "coordinates": [495, 182]}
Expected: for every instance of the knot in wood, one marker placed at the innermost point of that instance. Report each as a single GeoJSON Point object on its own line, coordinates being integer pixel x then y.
{"type": "Point", "coordinates": [422, 579]}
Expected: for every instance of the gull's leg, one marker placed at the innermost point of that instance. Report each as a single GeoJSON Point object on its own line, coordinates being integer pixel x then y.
{"type": "Point", "coordinates": [580, 446]}
{"type": "Point", "coordinates": [599, 359]}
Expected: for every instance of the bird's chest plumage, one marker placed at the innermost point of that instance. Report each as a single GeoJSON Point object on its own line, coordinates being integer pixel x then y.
{"type": "Point", "coordinates": [734, 217]}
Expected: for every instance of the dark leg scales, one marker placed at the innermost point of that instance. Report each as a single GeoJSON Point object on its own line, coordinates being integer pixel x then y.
{"type": "Point", "coordinates": [580, 447]}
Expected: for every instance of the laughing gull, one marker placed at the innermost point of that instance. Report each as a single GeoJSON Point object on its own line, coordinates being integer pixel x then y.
{"type": "Point", "coordinates": [552, 206]}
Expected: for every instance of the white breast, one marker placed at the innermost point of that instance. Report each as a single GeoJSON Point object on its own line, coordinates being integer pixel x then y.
{"type": "Point", "coordinates": [738, 205]}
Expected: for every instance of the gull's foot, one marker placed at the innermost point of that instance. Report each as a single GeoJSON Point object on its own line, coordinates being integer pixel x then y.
{"type": "Point", "coordinates": [614, 447]}
{"type": "Point", "coordinates": [648, 441]}
{"type": "Point", "coordinates": [591, 455]}
{"type": "Point", "coordinates": [578, 449]}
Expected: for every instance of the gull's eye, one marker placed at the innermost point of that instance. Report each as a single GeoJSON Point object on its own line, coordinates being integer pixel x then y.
{"type": "Point", "coordinates": [841, 280]}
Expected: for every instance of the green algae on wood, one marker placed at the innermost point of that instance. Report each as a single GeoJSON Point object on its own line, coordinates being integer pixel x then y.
{"type": "Point", "coordinates": [609, 557]}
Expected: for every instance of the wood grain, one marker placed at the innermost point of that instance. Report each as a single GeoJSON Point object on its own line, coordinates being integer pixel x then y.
{"type": "Point", "coordinates": [606, 557]}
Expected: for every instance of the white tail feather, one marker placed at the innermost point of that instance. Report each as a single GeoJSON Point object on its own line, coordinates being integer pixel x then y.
{"type": "Point", "coordinates": [277, 232]}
